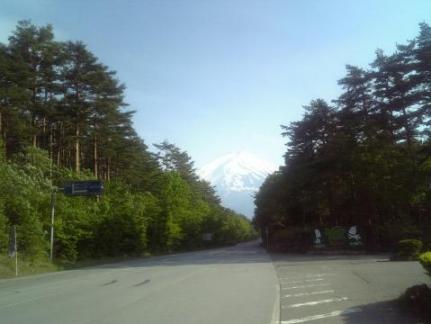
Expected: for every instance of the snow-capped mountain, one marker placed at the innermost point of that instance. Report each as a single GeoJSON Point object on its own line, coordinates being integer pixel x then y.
{"type": "Point", "coordinates": [237, 177]}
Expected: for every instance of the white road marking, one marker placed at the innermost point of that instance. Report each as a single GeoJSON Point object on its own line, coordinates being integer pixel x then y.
{"type": "Point", "coordinates": [317, 302]}
{"type": "Point", "coordinates": [306, 280]}
{"type": "Point", "coordinates": [306, 286]}
{"type": "Point", "coordinates": [309, 275]}
{"type": "Point", "coordinates": [320, 316]}
{"type": "Point", "coordinates": [320, 292]}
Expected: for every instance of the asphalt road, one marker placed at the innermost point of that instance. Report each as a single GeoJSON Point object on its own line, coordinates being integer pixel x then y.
{"type": "Point", "coordinates": [239, 284]}
{"type": "Point", "coordinates": [344, 289]}
{"type": "Point", "coordinates": [230, 285]}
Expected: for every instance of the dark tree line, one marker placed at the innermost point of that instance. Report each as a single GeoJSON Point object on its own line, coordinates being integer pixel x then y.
{"type": "Point", "coordinates": [365, 158]}
{"type": "Point", "coordinates": [57, 96]}
{"type": "Point", "coordinates": [62, 117]}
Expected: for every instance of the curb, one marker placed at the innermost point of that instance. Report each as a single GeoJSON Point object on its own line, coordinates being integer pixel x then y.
{"type": "Point", "coordinates": [276, 310]}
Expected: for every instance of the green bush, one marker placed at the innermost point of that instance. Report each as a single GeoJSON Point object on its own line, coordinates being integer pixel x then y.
{"type": "Point", "coordinates": [335, 236]}
{"type": "Point", "coordinates": [425, 260]}
{"type": "Point", "coordinates": [409, 249]}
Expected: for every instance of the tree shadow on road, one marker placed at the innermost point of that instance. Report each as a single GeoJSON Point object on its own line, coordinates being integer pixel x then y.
{"type": "Point", "coordinates": [389, 312]}
{"type": "Point", "coordinates": [243, 253]}
{"type": "Point", "coordinates": [334, 257]}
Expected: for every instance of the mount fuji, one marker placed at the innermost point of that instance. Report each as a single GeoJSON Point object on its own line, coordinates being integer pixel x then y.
{"type": "Point", "coordinates": [236, 178]}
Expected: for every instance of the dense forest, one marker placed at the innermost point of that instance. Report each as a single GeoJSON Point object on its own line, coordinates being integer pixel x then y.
{"type": "Point", "coordinates": [363, 159]}
{"type": "Point", "coordinates": [63, 117]}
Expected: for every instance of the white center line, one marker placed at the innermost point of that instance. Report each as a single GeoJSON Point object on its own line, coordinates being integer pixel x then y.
{"type": "Point", "coordinates": [306, 286]}
{"type": "Point", "coordinates": [320, 316]}
{"type": "Point", "coordinates": [317, 302]}
{"type": "Point", "coordinates": [320, 292]}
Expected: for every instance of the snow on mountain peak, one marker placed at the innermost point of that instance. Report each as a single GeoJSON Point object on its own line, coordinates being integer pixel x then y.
{"type": "Point", "coordinates": [236, 177]}
{"type": "Point", "coordinates": [235, 170]}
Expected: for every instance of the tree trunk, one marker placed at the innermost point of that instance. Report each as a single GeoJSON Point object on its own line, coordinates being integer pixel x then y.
{"type": "Point", "coordinates": [51, 144]}
{"type": "Point", "coordinates": [77, 149]}
{"type": "Point", "coordinates": [108, 170]}
{"type": "Point", "coordinates": [59, 140]}
{"type": "Point", "coordinates": [95, 157]}
{"type": "Point", "coordinates": [45, 123]}
{"type": "Point", "coordinates": [407, 129]}
{"type": "Point", "coordinates": [34, 121]}
{"type": "Point", "coordinates": [58, 157]}
{"type": "Point", "coordinates": [43, 140]}
{"type": "Point", "coordinates": [2, 141]}
{"type": "Point", "coordinates": [34, 137]}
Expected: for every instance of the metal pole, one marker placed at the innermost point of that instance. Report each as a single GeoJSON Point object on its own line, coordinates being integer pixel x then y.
{"type": "Point", "coordinates": [53, 198]}
{"type": "Point", "coordinates": [16, 252]}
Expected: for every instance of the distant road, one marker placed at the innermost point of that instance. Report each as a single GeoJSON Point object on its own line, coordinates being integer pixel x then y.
{"type": "Point", "coordinates": [222, 286]}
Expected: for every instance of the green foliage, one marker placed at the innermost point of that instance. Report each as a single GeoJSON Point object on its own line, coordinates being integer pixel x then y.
{"type": "Point", "coordinates": [24, 197]}
{"type": "Point", "coordinates": [335, 236]}
{"type": "Point", "coordinates": [409, 248]}
{"type": "Point", "coordinates": [3, 228]}
{"type": "Point", "coordinates": [364, 159]}
{"type": "Point", "coordinates": [425, 260]}
{"type": "Point", "coordinates": [123, 222]}
{"type": "Point", "coordinates": [62, 117]}
{"type": "Point", "coordinates": [234, 229]}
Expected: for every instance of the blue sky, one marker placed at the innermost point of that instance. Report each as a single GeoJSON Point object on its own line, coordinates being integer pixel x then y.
{"type": "Point", "coordinates": [220, 76]}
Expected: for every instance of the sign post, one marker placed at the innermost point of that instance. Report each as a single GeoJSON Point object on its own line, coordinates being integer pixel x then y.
{"type": "Point", "coordinates": [13, 249]}
{"type": "Point", "coordinates": [16, 252]}
{"type": "Point", "coordinates": [73, 188]}
{"type": "Point", "coordinates": [53, 200]}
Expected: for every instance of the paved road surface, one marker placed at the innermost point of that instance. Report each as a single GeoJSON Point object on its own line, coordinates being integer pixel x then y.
{"type": "Point", "coordinates": [343, 289]}
{"type": "Point", "coordinates": [230, 285]}
{"type": "Point", "coordinates": [234, 285]}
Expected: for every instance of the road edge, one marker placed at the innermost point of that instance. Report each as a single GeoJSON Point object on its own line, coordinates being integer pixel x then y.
{"type": "Point", "coordinates": [276, 309]}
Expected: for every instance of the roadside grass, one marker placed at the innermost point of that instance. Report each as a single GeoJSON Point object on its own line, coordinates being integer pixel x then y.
{"type": "Point", "coordinates": [99, 261]}
{"type": "Point", "coordinates": [26, 267]}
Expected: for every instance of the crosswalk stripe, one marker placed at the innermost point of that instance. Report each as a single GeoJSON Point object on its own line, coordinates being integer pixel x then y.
{"type": "Point", "coordinates": [305, 286]}
{"type": "Point", "coordinates": [317, 302]}
{"type": "Point", "coordinates": [321, 316]}
{"type": "Point", "coordinates": [320, 292]}
{"type": "Point", "coordinates": [304, 280]}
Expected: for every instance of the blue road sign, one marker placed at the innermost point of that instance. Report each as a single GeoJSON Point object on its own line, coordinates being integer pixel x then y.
{"type": "Point", "coordinates": [83, 188]}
